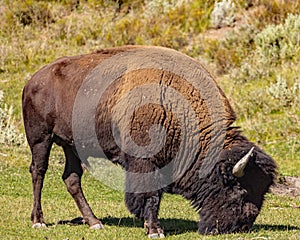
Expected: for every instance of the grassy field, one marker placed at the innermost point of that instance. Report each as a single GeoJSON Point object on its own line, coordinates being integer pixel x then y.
{"type": "Point", "coordinates": [279, 218]}
{"type": "Point", "coordinates": [253, 51]}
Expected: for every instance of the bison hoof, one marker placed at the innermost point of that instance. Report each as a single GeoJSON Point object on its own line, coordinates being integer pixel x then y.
{"type": "Point", "coordinates": [156, 235]}
{"type": "Point", "coordinates": [39, 225]}
{"type": "Point", "coordinates": [97, 226]}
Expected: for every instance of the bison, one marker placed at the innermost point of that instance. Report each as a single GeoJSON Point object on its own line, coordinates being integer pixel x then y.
{"type": "Point", "coordinates": [161, 116]}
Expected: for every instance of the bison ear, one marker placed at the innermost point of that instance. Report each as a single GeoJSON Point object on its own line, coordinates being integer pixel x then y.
{"type": "Point", "coordinates": [238, 169]}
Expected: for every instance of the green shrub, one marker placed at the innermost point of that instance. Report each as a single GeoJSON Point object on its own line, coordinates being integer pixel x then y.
{"type": "Point", "coordinates": [272, 46]}
{"type": "Point", "coordinates": [9, 134]}
{"type": "Point", "coordinates": [285, 95]}
{"type": "Point", "coordinates": [276, 11]}
{"type": "Point", "coordinates": [223, 14]}
{"type": "Point", "coordinates": [277, 43]}
{"type": "Point", "coordinates": [31, 12]}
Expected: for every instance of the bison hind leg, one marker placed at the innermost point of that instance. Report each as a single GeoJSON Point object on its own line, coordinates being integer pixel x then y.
{"type": "Point", "coordinates": [39, 165]}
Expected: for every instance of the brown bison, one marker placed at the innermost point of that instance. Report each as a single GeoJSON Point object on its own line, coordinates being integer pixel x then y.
{"type": "Point", "coordinates": [161, 116]}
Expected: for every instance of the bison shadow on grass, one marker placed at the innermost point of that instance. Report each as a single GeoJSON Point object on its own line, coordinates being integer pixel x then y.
{"type": "Point", "coordinates": [173, 226]}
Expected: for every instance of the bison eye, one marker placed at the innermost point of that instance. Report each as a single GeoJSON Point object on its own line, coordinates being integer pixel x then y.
{"type": "Point", "coordinates": [245, 228]}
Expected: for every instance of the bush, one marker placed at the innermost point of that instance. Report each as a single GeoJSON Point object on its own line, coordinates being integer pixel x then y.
{"type": "Point", "coordinates": [277, 43]}
{"type": "Point", "coordinates": [223, 14]}
{"type": "Point", "coordinates": [283, 94]}
{"type": "Point", "coordinates": [9, 134]}
{"type": "Point", "coordinates": [31, 12]}
{"type": "Point", "coordinates": [273, 46]}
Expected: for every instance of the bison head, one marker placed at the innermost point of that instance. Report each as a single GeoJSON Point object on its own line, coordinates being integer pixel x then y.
{"type": "Point", "coordinates": [238, 184]}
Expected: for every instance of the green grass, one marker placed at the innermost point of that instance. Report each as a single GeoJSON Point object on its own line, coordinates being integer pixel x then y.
{"type": "Point", "coordinates": [35, 33]}
{"type": "Point", "coordinates": [279, 218]}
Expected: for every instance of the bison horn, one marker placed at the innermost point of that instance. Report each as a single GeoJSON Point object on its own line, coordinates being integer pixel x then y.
{"type": "Point", "coordinates": [238, 169]}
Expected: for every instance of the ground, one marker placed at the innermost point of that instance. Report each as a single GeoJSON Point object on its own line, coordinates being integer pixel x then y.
{"type": "Point", "coordinates": [287, 186]}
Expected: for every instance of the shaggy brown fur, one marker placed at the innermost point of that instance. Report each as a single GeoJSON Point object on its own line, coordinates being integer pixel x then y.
{"type": "Point", "coordinates": [226, 203]}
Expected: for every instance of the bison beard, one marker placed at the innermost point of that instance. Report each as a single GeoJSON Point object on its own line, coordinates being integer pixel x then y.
{"type": "Point", "coordinates": [227, 200]}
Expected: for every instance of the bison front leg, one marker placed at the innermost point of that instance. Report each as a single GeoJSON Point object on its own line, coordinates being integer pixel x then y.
{"type": "Point", "coordinates": [146, 206]}
{"type": "Point", "coordinates": [72, 178]}
{"type": "Point", "coordinates": [152, 224]}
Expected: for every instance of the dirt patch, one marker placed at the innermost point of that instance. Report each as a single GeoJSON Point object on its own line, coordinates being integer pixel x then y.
{"type": "Point", "coordinates": [287, 186]}
{"type": "Point", "coordinates": [243, 18]}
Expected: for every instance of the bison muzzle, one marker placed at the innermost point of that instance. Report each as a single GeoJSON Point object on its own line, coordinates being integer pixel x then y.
{"type": "Point", "coordinates": [162, 117]}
